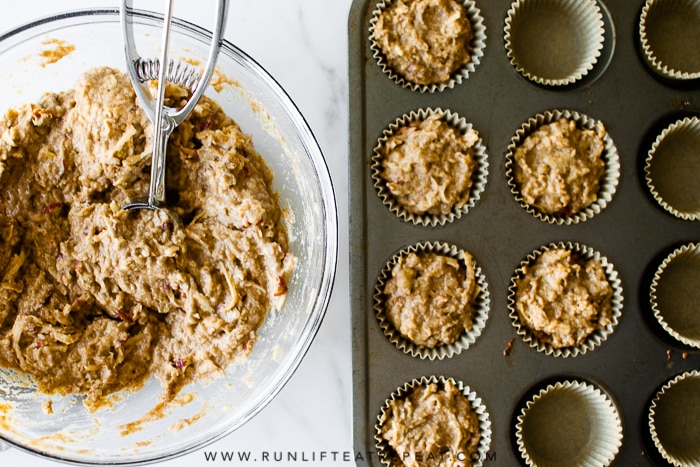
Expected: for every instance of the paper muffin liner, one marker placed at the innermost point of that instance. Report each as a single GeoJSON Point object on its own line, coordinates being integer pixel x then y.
{"type": "Point", "coordinates": [583, 15]}
{"type": "Point", "coordinates": [570, 422]}
{"type": "Point", "coordinates": [671, 168]}
{"type": "Point", "coordinates": [478, 44]}
{"type": "Point", "coordinates": [673, 294]}
{"type": "Point", "coordinates": [666, 47]}
{"type": "Point", "coordinates": [673, 420]}
{"type": "Point", "coordinates": [481, 304]}
{"type": "Point", "coordinates": [608, 183]}
{"type": "Point", "coordinates": [385, 452]}
{"type": "Point", "coordinates": [479, 176]}
{"type": "Point", "coordinates": [597, 337]}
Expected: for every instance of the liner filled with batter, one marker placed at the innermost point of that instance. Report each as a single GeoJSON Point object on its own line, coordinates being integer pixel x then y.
{"type": "Point", "coordinates": [427, 45]}
{"type": "Point", "coordinates": [433, 421]}
{"type": "Point", "coordinates": [565, 299]}
{"type": "Point", "coordinates": [432, 300]}
{"type": "Point", "coordinates": [430, 166]}
{"type": "Point", "coordinates": [562, 167]}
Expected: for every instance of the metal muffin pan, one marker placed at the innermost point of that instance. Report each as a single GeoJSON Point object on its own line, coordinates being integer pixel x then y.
{"type": "Point", "coordinates": [633, 232]}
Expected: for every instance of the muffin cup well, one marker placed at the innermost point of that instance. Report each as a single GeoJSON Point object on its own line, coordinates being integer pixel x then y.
{"type": "Point", "coordinates": [479, 176]}
{"type": "Point", "coordinates": [675, 293]}
{"type": "Point", "coordinates": [671, 169]}
{"type": "Point", "coordinates": [554, 42]}
{"type": "Point", "coordinates": [669, 33]}
{"type": "Point", "coordinates": [481, 306]}
{"type": "Point", "coordinates": [608, 182]}
{"type": "Point", "coordinates": [597, 337]}
{"type": "Point", "coordinates": [569, 423]}
{"type": "Point", "coordinates": [386, 453]}
{"type": "Point", "coordinates": [673, 420]}
{"type": "Point", "coordinates": [477, 46]}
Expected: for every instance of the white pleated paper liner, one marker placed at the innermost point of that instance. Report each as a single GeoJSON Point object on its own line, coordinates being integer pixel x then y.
{"type": "Point", "coordinates": [674, 294]}
{"type": "Point", "coordinates": [669, 32]}
{"type": "Point", "coordinates": [569, 423]}
{"type": "Point", "coordinates": [673, 420]}
{"type": "Point", "coordinates": [474, 457]}
{"type": "Point", "coordinates": [672, 166]}
{"type": "Point", "coordinates": [607, 184]}
{"type": "Point", "coordinates": [480, 304]}
{"type": "Point", "coordinates": [595, 338]}
{"type": "Point", "coordinates": [554, 42]}
{"type": "Point", "coordinates": [478, 176]}
{"type": "Point", "coordinates": [476, 48]}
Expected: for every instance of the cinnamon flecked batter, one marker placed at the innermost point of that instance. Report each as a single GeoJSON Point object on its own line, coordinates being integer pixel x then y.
{"type": "Point", "coordinates": [433, 425]}
{"type": "Point", "coordinates": [429, 298]}
{"type": "Point", "coordinates": [94, 299]}
{"type": "Point", "coordinates": [428, 166]}
{"type": "Point", "coordinates": [563, 298]}
{"type": "Point", "coordinates": [425, 41]}
{"type": "Point", "coordinates": [559, 167]}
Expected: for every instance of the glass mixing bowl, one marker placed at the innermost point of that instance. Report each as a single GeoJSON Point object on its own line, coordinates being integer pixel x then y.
{"type": "Point", "coordinates": [122, 434]}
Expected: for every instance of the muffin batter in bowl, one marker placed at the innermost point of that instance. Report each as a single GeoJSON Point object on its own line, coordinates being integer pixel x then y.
{"type": "Point", "coordinates": [94, 299]}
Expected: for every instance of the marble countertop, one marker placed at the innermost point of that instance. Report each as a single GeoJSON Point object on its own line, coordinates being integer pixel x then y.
{"type": "Point", "coordinates": [303, 45]}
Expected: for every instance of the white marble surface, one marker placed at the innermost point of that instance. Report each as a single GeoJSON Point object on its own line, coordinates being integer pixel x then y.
{"type": "Point", "coordinates": [303, 44]}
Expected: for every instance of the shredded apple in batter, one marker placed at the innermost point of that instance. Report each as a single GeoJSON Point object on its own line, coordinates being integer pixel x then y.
{"type": "Point", "coordinates": [563, 298]}
{"type": "Point", "coordinates": [559, 167]}
{"type": "Point", "coordinates": [433, 425]}
{"type": "Point", "coordinates": [425, 41]}
{"type": "Point", "coordinates": [94, 299]}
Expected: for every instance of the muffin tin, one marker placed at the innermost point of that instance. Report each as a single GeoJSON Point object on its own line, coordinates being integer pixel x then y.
{"type": "Point", "coordinates": [633, 231]}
